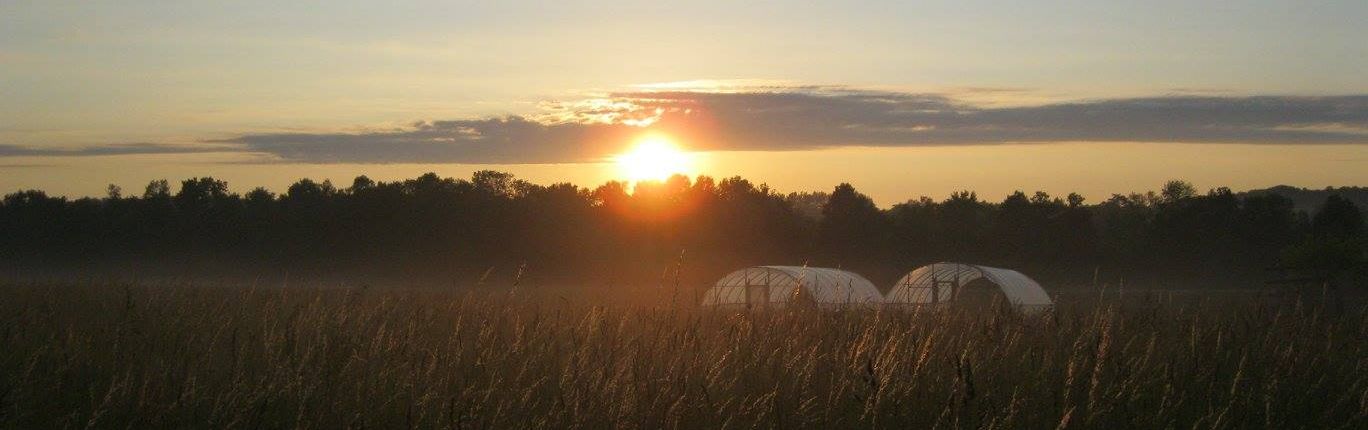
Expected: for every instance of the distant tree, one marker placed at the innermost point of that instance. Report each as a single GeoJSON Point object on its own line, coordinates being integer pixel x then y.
{"type": "Point", "coordinates": [429, 186]}
{"type": "Point", "coordinates": [1075, 200]}
{"type": "Point", "coordinates": [1017, 224]}
{"type": "Point", "coordinates": [157, 189]}
{"type": "Point", "coordinates": [1335, 246]}
{"type": "Point", "coordinates": [916, 224]}
{"type": "Point", "coordinates": [1040, 198]}
{"type": "Point", "coordinates": [612, 194]}
{"type": "Point", "coordinates": [36, 225]}
{"type": "Point", "coordinates": [852, 227]}
{"type": "Point", "coordinates": [494, 183]}
{"type": "Point", "coordinates": [260, 196]}
{"type": "Point", "coordinates": [735, 188]}
{"type": "Point", "coordinates": [1017, 199]}
{"type": "Point", "coordinates": [308, 190]}
{"type": "Point", "coordinates": [1177, 190]}
{"type": "Point", "coordinates": [201, 192]}
{"type": "Point", "coordinates": [1337, 217]}
{"type": "Point", "coordinates": [113, 192]}
{"type": "Point", "coordinates": [1073, 235]}
{"type": "Point", "coordinates": [846, 208]}
{"type": "Point", "coordinates": [1268, 223]}
{"type": "Point", "coordinates": [493, 219]}
{"type": "Point", "coordinates": [27, 198]}
{"type": "Point", "coordinates": [963, 223]}
{"type": "Point", "coordinates": [809, 204]}
{"type": "Point", "coordinates": [965, 198]}
{"type": "Point", "coordinates": [362, 183]}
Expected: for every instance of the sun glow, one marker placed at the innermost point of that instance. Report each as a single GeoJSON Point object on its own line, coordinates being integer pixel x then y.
{"type": "Point", "coordinates": [654, 158]}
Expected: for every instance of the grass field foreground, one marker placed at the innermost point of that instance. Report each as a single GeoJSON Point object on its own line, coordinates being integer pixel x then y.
{"type": "Point", "coordinates": [143, 356]}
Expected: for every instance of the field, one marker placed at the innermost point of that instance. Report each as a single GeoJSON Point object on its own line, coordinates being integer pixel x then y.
{"type": "Point", "coordinates": [107, 355]}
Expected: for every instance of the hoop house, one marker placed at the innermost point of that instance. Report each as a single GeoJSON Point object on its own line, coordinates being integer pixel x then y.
{"type": "Point", "coordinates": [939, 283]}
{"type": "Point", "coordinates": [777, 286]}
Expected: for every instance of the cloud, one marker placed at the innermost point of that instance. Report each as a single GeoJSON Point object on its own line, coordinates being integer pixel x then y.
{"type": "Point", "coordinates": [776, 120]}
{"type": "Point", "coordinates": [801, 118]}
{"type": "Point", "coordinates": [120, 149]}
{"type": "Point", "coordinates": [509, 140]}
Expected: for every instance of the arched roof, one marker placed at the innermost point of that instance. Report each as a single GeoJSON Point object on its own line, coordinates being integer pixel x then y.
{"type": "Point", "coordinates": [823, 285]}
{"type": "Point", "coordinates": [917, 286]}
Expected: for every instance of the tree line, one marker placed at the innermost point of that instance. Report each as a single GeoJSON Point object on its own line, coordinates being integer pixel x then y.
{"type": "Point", "coordinates": [681, 229]}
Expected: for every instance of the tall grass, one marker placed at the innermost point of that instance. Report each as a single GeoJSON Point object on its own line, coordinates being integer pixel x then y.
{"type": "Point", "coordinates": [118, 356]}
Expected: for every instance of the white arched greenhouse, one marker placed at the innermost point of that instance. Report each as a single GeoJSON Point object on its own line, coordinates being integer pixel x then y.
{"type": "Point", "coordinates": [942, 283]}
{"type": "Point", "coordinates": [777, 286]}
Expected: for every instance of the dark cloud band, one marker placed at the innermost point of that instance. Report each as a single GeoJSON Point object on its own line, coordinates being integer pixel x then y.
{"type": "Point", "coordinates": [801, 118]}
{"type": "Point", "coordinates": [120, 149]}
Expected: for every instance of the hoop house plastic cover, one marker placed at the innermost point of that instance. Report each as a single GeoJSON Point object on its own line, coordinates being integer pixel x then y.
{"type": "Point", "coordinates": [933, 283]}
{"type": "Point", "coordinates": [823, 285]}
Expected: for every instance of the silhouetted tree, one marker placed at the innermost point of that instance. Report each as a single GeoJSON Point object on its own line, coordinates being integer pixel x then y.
{"type": "Point", "coordinates": [1075, 200]}
{"type": "Point", "coordinates": [1337, 217]}
{"type": "Point", "coordinates": [361, 184]}
{"type": "Point", "coordinates": [1177, 190]}
{"type": "Point", "coordinates": [808, 204]}
{"type": "Point", "coordinates": [1337, 244]}
{"type": "Point", "coordinates": [157, 189]}
{"type": "Point", "coordinates": [495, 223]}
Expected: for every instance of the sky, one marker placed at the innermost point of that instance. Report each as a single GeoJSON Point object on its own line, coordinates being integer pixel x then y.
{"type": "Point", "coordinates": [902, 99]}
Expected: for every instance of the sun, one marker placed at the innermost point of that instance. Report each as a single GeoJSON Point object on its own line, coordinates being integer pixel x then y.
{"type": "Point", "coordinates": [655, 158]}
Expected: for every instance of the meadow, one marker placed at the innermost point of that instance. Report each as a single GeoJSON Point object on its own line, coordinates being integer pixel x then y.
{"type": "Point", "coordinates": [113, 355]}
